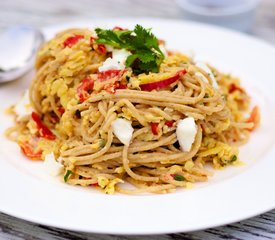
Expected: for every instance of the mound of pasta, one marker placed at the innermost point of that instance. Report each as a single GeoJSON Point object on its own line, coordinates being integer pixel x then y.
{"type": "Point", "coordinates": [114, 110]}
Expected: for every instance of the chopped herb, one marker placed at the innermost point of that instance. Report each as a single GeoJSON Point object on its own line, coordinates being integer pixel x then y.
{"type": "Point", "coordinates": [178, 177]}
{"type": "Point", "coordinates": [146, 55]}
{"type": "Point", "coordinates": [102, 143]}
{"type": "Point", "coordinates": [67, 175]}
{"type": "Point", "coordinates": [78, 114]}
{"type": "Point", "coordinates": [234, 158]}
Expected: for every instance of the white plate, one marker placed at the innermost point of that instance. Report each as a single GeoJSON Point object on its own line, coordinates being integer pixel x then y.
{"type": "Point", "coordinates": [231, 195]}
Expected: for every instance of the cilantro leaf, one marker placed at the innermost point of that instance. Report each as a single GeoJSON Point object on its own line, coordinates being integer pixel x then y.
{"type": "Point", "coordinates": [108, 37]}
{"type": "Point", "coordinates": [146, 55]}
{"type": "Point", "coordinates": [150, 40]}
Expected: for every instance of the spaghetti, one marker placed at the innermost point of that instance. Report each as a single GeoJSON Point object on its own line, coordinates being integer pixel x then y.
{"type": "Point", "coordinates": [75, 107]}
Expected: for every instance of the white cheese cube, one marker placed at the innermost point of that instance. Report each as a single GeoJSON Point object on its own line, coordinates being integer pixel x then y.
{"type": "Point", "coordinates": [53, 167]}
{"type": "Point", "coordinates": [111, 64]}
{"type": "Point", "coordinates": [123, 130]}
{"type": "Point", "coordinates": [186, 133]}
{"type": "Point", "coordinates": [120, 55]}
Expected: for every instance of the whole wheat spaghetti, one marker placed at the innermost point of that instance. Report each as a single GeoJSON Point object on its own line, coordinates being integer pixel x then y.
{"type": "Point", "coordinates": [105, 125]}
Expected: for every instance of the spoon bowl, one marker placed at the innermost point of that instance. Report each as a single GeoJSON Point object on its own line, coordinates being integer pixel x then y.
{"type": "Point", "coordinates": [18, 46]}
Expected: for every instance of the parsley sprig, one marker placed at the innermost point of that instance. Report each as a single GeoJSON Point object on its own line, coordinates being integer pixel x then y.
{"type": "Point", "coordinates": [142, 43]}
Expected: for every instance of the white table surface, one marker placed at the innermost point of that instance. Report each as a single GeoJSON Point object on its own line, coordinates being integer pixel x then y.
{"type": "Point", "coordinates": [42, 13]}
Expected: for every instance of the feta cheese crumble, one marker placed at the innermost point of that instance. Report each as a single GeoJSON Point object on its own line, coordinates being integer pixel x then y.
{"type": "Point", "coordinates": [123, 130]}
{"type": "Point", "coordinates": [186, 133]}
{"type": "Point", "coordinates": [23, 107]}
{"type": "Point", "coordinates": [53, 167]}
{"type": "Point", "coordinates": [117, 62]}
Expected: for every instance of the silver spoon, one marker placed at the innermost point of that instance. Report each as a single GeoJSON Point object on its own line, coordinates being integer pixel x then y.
{"type": "Point", "coordinates": [18, 46]}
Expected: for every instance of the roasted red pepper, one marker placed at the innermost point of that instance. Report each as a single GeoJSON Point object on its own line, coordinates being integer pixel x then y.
{"type": "Point", "coordinates": [87, 85]}
{"type": "Point", "coordinates": [117, 28]}
{"type": "Point", "coordinates": [122, 86]}
{"type": "Point", "coordinates": [43, 130]}
{"type": "Point", "coordinates": [154, 128]}
{"type": "Point", "coordinates": [95, 185]}
{"type": "Point", "coordinates": [70, 41]}
{"type": "Point", "coordinates": [169, 123]}
{"type": "Point", "coordinates": [111, 88]}
{"type": "Point", "coordinates": [233, 87]}
{"type": "Point", "coordinates": [61, 110]}
{"type": "Point", "coordinates": [163, 83]}
{"type": "Point", "coordinates": [28, 150]}
{"type": "Point", "coordinates": [254, 118]}
{"type": "Point", "coordinates": [106, 75]}
{"type": "Point", "coordinates": [101, 49]}
{"type": "Point", "coordinates": [92, 40]}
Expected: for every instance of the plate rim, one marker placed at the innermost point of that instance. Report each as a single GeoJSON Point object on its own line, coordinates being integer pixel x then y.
{"type": "Point", "coordinates": [162, 231]}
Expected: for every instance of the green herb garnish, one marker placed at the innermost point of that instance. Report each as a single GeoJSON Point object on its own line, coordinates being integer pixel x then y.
{"type": "Point", "coordinates": [146, 55]}
{"type": "Point", "coordinates": [102, 143]}
{"type": "Point", "coordinates": [67, 175]}
{"type": "Point", "coordinates": [234, 158]}
{"type": "Point", "coordinates": [178, 177]}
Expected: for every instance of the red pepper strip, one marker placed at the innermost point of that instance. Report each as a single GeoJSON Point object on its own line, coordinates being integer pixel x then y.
{"type": "Point", "coordinates": [106, 75]}
{"type": "Point", "coordinates": [70, 41]}
{"type": "Point", "coordinates": [29, 152]}
{"type": "Point", "coordinates": [95, 185]}
{"type": "Point", "coordinates": [101, 49]}
{"type": "Point", "coordinates": [233, 88]}
{"type": "Point", "coordinates": [92, 40]}
{"type": "Point", "coordinates": [163, 83]}
{"type": "Point", "coordinates": [111, 88]}
{"type": "Point", "coordinates": [117, 28]}
{"type": "Point", "coordinates": [169, 123]}
{"type": "Point", "coordinates": [154, 128]}
{"type": "Point", "coordinates": [254, 118]}
{"type": "Point", "coordinates": [122, 86]}
{"type": "Point", "coordinates": [61, 110]}
{"type": "Point", "coordinates": [87, 84]}
{"type": "Point", "coordinates": [43, 130]}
